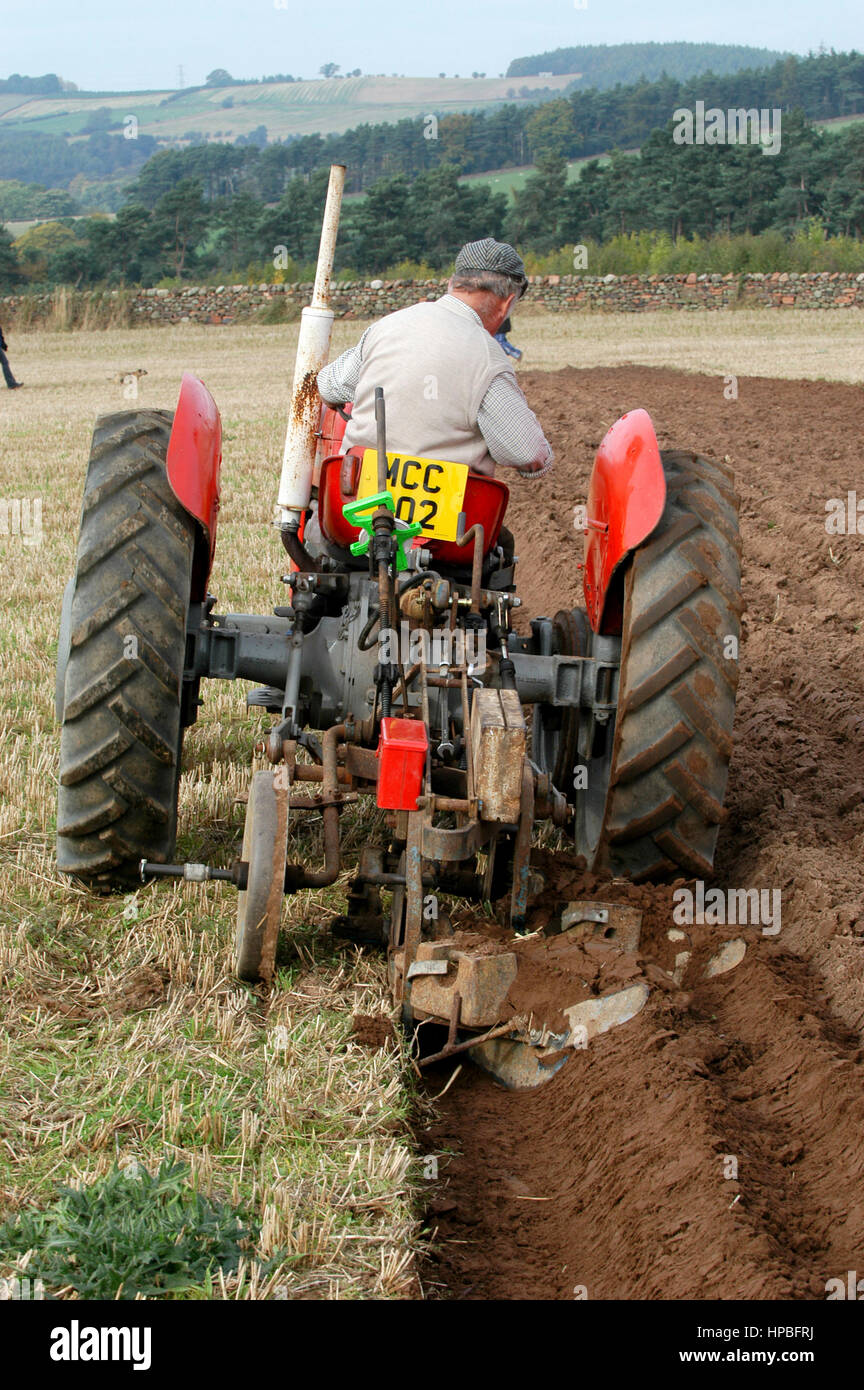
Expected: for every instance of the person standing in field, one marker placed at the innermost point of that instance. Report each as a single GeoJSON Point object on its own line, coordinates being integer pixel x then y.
{"type": "Point", "coordinates": [503, 341]}
{"type": "Point", "coordinates": [4, 363]}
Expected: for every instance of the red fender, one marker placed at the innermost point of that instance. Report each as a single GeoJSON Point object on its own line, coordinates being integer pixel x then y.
{"type": "Point", "coordinates": [193, 463]}
{"type": "Point", "coordinates": [626, 497]}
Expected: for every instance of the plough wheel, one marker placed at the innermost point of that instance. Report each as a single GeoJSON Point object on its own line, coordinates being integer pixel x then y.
{"type": "Point", "coordinates": [259, 906]}
{"type": "Point", "coordinates": [555, 731]}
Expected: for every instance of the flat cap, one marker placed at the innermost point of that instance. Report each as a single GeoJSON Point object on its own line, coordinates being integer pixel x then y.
{"type": "Point", "coordinates": [488, 254]}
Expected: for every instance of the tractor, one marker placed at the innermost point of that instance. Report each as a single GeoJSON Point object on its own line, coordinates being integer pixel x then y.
{"type": "Point", "coordinates": [393, 672]}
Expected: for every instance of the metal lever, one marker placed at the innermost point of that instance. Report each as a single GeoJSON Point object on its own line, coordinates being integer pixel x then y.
{"type": "Point", "coordinates": [196, 873]}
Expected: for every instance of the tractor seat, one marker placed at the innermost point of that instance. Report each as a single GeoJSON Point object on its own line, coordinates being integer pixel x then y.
{"type": "Point", "coordinates": [485, 503]}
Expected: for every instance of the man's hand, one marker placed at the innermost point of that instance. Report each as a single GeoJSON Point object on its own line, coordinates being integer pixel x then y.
{"type": "Point", "coordinates": [534, 470]}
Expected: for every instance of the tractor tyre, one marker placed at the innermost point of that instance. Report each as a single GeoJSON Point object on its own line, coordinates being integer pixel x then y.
{"type": "Point", "coordinates": [654, 801]}
{"type": "Point", "coordinates": [123, 642]}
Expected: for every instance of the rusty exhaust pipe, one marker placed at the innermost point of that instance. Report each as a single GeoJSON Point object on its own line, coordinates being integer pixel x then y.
{"type": "Point", "coordinates": [313, 347]}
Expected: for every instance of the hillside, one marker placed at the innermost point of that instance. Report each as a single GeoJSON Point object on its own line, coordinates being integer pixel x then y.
{"type": "Point", "coordinates": [605, 65]}
{"type": "Point", "coordinates": [93, 167]}
{"type": "Point", "coordinates": [285, 109]}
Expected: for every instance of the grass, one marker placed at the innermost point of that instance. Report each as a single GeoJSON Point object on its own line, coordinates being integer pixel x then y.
{"type": "Point", "coordinates": [294, 108]}
{"type": "Point", "coordinates": [124, 1035]}
{"type": "Point", "coordinates": [130, 1234]}
{"type": "Point", "coordinates": [78, 309]}
{"type": "Point", "coordinates": [513, 180]}
{"type": "Point", "coordinates": [835, 123]}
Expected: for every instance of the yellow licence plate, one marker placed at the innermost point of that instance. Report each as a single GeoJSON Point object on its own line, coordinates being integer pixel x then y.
{"type": "Point", "coordinates": [430, 491]}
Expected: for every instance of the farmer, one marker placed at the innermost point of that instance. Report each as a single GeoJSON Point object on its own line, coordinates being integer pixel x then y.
{"type": "Point", "coordinates": [449, 389]}
{"type": "Point", "coordinates": [4, 363]}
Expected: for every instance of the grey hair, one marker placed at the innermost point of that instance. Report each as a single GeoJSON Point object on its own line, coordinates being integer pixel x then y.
{"type": "Point", "coordinates": [501, 286]}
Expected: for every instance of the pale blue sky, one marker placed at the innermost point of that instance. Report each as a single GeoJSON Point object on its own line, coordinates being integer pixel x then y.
{"type": "Point", "coordinates": [123, 44]}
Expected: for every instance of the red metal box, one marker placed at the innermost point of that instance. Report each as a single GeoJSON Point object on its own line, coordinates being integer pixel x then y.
{"type": "Point", "coordinates": [402, 755]}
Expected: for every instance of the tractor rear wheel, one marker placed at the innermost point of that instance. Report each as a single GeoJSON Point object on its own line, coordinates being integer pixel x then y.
{"type": "Point", "coordinates": [121, 655]}
{"type": "Point", "coordinates": [654, 801]}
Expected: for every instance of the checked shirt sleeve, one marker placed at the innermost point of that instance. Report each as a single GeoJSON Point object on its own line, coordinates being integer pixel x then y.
{"type": "Point", "coordinates": [337, 382]}
{"type": "Point", "coordinates": [512, 431]}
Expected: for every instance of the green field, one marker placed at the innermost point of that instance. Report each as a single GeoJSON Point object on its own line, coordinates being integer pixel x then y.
{"type": "Point", "coordinates": [510, 181]}
{"type": "Point", "coordinates": [285, 108]}
{"type": "Point", "coordinates": [840, 122]}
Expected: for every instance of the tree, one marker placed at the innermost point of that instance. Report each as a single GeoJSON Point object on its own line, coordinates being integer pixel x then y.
{"type": "Point", "coordinates": [100, 119]}
{"type": "Point", "coordinates": [377, 231]}
{"type": "Point", "coordinates": [550, 129]}
{"type": "Point", "coordinates": [329, 69]}
{"type": "Point", "coordinates": [180, 218]}
{"type": "Point", "coordinates": [535, 216]}
{"type": "Point", "coordinates": [219, 77]}
{"type": "Point", "coordinates": [454, 139]}
{"type": "Point", "coordinates": [428, 219]}
{"type": "Point", "coordinates": [9, 272]}
{"type": "Point", "coordinates": [35, 247]}
{"type": "Point", "coordinates": [159, 175]}
{"type": "Point", "coordinates": [21, 201]}
{"type": "Point", "coordinates": [296, 221]}
{"type": "Point", "coordinates": [444, 214]}
{"type": "Point", "coordinates": [239, 236]}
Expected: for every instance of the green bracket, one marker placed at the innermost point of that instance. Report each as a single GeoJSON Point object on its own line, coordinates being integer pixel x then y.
{"type": "Point", "coordinates": [359, 513]}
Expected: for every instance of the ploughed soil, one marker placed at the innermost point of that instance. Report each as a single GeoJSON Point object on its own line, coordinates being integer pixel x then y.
{"type": "Point", "coordinates": [711, 1147]}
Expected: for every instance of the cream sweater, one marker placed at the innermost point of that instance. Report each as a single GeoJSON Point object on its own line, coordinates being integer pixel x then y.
{"type": "Point", "coordinates": [435, 364]}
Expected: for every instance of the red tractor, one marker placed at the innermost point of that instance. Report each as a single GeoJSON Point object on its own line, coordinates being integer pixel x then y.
{"type": "Point", "coordinates": [394, 673]}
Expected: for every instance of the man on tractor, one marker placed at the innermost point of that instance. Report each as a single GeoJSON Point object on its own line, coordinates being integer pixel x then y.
{"type": "Point", "coordinates": [450, 390]}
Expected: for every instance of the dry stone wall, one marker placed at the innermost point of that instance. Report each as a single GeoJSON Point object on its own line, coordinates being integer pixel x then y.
{"type": "Point", "coordinates": [556, 293]}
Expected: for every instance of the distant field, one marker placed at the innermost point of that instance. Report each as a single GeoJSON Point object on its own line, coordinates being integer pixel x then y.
{"type": "Point", "coordinates": [512, 180]}
{"type": "Point", "coordinates": [285, 108]}
{"type": "Point", "coordinates": [840, 122]}
{"type": "Point", "coordinates": [16, 229]}
{"type": "Point", "coordinates": [817, 344]}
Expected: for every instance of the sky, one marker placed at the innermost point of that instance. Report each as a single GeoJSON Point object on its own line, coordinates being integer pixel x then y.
{"type": "Point", "coordinates": [109, 45]}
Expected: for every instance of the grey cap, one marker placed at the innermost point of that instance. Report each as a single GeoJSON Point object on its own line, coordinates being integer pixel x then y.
{"type": "Point", "coordinates": [497, 256]}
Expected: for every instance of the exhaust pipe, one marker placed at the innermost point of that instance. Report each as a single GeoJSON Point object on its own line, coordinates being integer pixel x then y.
{"type": "Point", "coordinates": [313, 347]}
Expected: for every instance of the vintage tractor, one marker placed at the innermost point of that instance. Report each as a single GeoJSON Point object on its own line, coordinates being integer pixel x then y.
{"type": "Point", "coordinates": [394, 673]}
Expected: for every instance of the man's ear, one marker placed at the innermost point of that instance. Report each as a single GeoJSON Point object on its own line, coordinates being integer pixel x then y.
{"type": "Point", "coordinates": [503, 311]}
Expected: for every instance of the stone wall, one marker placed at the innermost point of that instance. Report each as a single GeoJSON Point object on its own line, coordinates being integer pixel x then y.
{"type": "Point", "coordinates": [368, 299]}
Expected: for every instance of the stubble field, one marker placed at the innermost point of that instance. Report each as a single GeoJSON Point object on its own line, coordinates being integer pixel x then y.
{"type": "Point", "coordinates": [126, 1038]}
